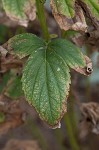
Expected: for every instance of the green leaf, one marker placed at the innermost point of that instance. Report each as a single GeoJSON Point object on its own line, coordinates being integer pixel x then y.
{"type": "Point", "coordinates": [65, 7]}
{"type": "Point", "coordinates": [20, 10]}
{"type": "Point", "coordinates": [4, 81]}
{"type": "Point", "coordinates": [3, 33]}
{"type": "Point", "coordinates": [2, 117]}
{"type": "Point", "coordinates": [13, 85]}
{"type": "Point", "coordinates": [93, 6]}
{"type": "Point", "coordinates": [46, 78]}
{"type": "Point", "coordinates": [24, 44]}
{"type": "Point", "coordinates": [46, 82]}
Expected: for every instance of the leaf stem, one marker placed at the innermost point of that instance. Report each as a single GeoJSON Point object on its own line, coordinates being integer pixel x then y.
{"type": "Point", "coordinates": [42, 19]}
{"type": "Point", "coordinates": [73, 142]}
{"type": "Point", "coordinates": [72, 113]}
{"type": "Point", "coordinates": [60, 138]}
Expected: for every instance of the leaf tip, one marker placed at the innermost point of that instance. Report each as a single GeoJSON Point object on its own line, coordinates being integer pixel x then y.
{"type": "Point", "coordinates": [58, 126]}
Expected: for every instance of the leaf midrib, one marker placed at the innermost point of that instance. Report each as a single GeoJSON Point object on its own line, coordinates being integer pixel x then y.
{"type": "Point", "coordinates": [47, 84]}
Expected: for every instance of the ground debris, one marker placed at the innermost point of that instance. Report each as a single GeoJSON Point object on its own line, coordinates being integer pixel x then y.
{"type": "Point", "coordinates": [15, 144]}
{"type": "Point", "coordinates": [90, 121]}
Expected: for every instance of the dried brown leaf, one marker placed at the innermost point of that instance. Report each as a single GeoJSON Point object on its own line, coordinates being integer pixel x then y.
{"type": "Point", "coordinates": [8, 61]}
{"type": "Point", "coordinates": [90, 122]}
{"type": "Point", "coordinates": [6, 21]}
{"type": "Point", "coordinates": [3, 51]}
{"type": "Point", "coordinates": [93, 40]}
{"type": "Point", "coordinates": [15, 144]}
{"type": "Point", "coordinates": [13, 114]}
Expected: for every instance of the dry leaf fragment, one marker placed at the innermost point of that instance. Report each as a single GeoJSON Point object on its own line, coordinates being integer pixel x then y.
{"type": "Point", "coordinates": [3, 51]}
{"type": "Point", "coordinates": [9, 62]}
{"type": "Point", "coordinates": [13, 114]}
{"type": "Point", "coordinates": [93, 40]}
{"type": "Point", "coordinates": [15, 144]}
{"type": "Point", "coordinates": [65, 21]}
{"type": "Point", "coordinates": [86, 70]}
{"type": "Point", "coordinates": [90, 122]}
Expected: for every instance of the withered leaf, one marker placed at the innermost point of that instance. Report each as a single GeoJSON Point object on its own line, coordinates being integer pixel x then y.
{"type": "Point", "coordinates": [9, 62]}
{"type": "Point", "coordinates": [71, 17]}
{"type": "Point", "coordinates": [14, 144]}
{"type": "Point", "coordinates": [90, 112]}
{"type": "Point", "coordinates": [93, 40]}
{"type": "Point", "coordinates": [3, 51]}
{"type": "Point", "coordinates": [86, 70]}
{"type": "Point", "coordinates": [13, 114]}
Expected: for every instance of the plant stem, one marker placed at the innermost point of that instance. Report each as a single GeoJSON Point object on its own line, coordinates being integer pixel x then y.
{"type": "Point", "coordinates": [63, 34]}
{"type": "Point", "coordinates": [70, 133]}
{"type": "Point", "coordinates": [60, 138]}
{"type": "Point", "coordinates": [37, 133]}
{"type": "Point", "coordinates": [72, 113]}
{"type": "Point", "coordinates": [42, 19]}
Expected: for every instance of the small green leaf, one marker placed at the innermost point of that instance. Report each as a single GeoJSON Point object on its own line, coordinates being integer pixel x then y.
{"type": "Point", "coordinates": [4, 81]}
{"type": "Point", "coordinates": [2, 117]}
{"type": "Point", "coordinates": [15, 89]}
{"type": "Point", "coordinates": [24, 44]}
{"type": "Point", "coordinates": [3, 32]}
